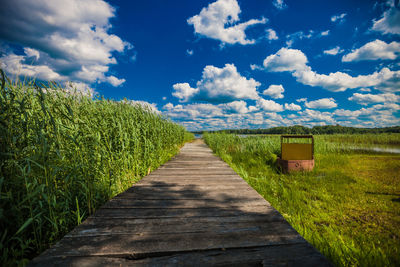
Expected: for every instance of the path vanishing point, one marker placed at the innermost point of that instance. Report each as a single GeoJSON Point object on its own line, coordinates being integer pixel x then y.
{"type": "Point", "coordinates": [192, 211]}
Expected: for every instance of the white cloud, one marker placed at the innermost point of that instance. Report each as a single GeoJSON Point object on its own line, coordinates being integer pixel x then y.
{"type": "Point", "coordinates": [323, 103]}
{"type": "Point", "coordinates": [286, 60]}
{"type": "Point", "coordinates": [13, 64]}
{"type": "Point", "coordinates": [301, 100]}
{"type": "Point", "coordinates": [183, 91]}
{"type": "Point", "coordinates": [69, 38]}
{"type": "Point", "coordinates": [333, 51]}
{"type": "Point", "coordinates": [309, 115]}
{"type": "Point", "coordinates": [189, 52]}
{"type": "Point", "coordinates": [292, 107]}
{"type": "Point", "coordinates": [338, 18]}
{"type": "Point", "coordinates": [255, 67]}
{"type": "Point", "coordinates": [295, 61]}
{"type": "Point", "coordinates": [237, 107]}
{"type": "Point", "coordinates": [193, 111]}
{"type": "Point", "coordinates": [147, 105]}
{"type": "Point", "coordinates": [218, 85]}
{"type": "Point", "coordinates": [384, 80]}
{"type": "Point", "coordinates": [375, 116]}
{"type": "Point", "coordinates": [365, 99]}
{"type": "Point", "coordinates": [79, 88]}
{"type": "Point", "coordinates": [373, 51]}
{"type": "Point", "coordinates": [325, 33]}
{"type": "Point", "coordinates": [274, 91]}
{"type": "Point", "coordinates": [300, 35]}
{"type": "Point", "coordinates": [390, 21]}
{"type": "Point", "coordinates": [114, 81]}
{"type": "Point", "coordinates": [271, 34]}
{"type": "Point", "coordinates": [219, 20]}
{"type": "Point", "coordinates": [164, 98]}
{"type": "Point", "coordinates": [269, 105]}
{"type": "Point", "coordinates": [29, 52]}
{"type": "Point", "coordinates": [279, 4]}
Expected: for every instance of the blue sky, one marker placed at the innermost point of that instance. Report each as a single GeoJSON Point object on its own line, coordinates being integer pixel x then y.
{"type": "Point", "coordinates": [217, 64]}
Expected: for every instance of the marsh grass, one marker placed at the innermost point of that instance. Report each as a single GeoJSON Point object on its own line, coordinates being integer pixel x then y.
{"type": "Point", "coordinates": [65, 154]}
{"type": "Point", "coordinates": [348, 207]}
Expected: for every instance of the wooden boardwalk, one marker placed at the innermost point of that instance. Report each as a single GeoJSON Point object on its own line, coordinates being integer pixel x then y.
{"type": "Point", "coordinates": [193, 211]}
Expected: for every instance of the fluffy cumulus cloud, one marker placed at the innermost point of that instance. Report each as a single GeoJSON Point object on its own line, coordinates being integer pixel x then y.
{"type": "Point", "coordinates": [286, 60]}
{"type": "Point", "coordinates": [269, 105]}
{"type": "Point", "coordinates": [218, 85]}
{"type": "Point", "coordinates": [373, 51]}
{"type": "Point", "coordinates": [338, 18]}
{"type": "Point", "coordinates": [390, 21]}
{"type": "Point", "coordinates": [333, 51]}
{"type": "Point", "coordinates": [237, 107]}
{"type": "Point", "coordinates": [323, 103]}
{"type": "Point", "coordinates": [274, 91]}
{"type": "Point", "coordinates": [62, 40]}
{"type": "Point", "coordinates": [292, 107]}
{"type": "Point", "coordinates": [365, 99]}
{"type": "Point", "coordinates": [219, 20]}
{"type": "Point", "coordinates": [183, 91]}
{"type": "Point", "coordinates": [294, 61]}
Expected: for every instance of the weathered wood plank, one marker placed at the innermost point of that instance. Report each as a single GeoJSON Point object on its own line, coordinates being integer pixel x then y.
{"type": "Point", "coordinates": [179, 192]}
{"type": "Point", "coordinates": [287, 255]}
{"type": "Point", "coordinates": [186, 203]}
{"type": "Point", "coordinates": [96, 226]}
{"type": "Point", "coordinates": [130, 244]}
{"type": "Point", "coordinates": [184, 212]}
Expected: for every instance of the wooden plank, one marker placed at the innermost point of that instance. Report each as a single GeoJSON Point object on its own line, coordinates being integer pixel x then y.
{"type": "Point", "coordinates": [282, 255]}
{"type": "Point", "coordinates": [130, 244]}
{"type": "Point", "coordinates": [186, 203]}
{"type": "Point", "coordinates": [96, 225]}
{"type": "Point", "coordinates": [174, 180]}
{"type": "Point", "coordinates": [103, 229]}
{"type": "Point", "coordinates": [184, 212]}
{"type": "Point", "coordinates": [144, 192]}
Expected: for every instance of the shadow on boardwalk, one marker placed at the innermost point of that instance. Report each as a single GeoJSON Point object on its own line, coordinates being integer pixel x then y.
{"type": "Point", "coordinates": [194, 210]}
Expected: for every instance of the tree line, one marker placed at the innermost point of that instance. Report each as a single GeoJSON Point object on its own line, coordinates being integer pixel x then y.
{"type": "Point", "coordinates": [299, 129]}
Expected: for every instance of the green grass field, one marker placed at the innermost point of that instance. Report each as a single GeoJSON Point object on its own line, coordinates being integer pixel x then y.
{"type": "Point", "coordinates": [348, 207]}
{"type": "Point", "coordinates": [65, 154]}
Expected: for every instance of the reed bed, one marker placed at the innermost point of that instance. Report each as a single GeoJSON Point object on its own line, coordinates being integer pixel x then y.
{"type": "Point", "coordinates": [347, 207]}
{"type": "Point", "coordinates": [63, 155]}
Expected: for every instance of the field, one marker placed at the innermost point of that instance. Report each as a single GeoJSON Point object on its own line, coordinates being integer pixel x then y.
{"type": "Point", "coordinates": [64, 154]}
{"type": "Point", "coordinates": [348, 207]}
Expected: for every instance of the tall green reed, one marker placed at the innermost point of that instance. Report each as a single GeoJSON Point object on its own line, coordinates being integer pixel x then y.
{"type": "Point", "coordinates": [64, 154]}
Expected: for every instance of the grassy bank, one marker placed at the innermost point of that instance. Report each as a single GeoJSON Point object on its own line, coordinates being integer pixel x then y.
{"type": "Point", "coordinates": [65, 154]}
{"type": "Point", "coordinates": [348, 207]}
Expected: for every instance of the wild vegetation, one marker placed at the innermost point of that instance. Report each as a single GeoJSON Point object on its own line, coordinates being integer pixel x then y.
{"type": "Point", "coordinates": [63, 155]}
{"type": "Point", "coordinates": [348, 207]}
